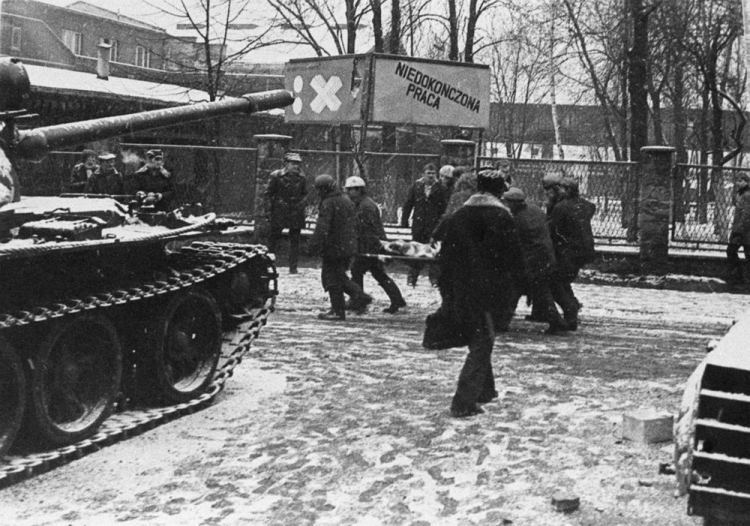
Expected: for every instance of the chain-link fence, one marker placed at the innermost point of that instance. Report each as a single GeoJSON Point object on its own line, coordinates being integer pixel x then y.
{"type": "Point", "coordinates": [609, 185]}
{"type": "Point", "coordinates": [702, 204]}
{"type": "Point", "coordinates": [221, 179]}
{"type": "Point", "coordinates": [224, 180]}
{"type": "Point", "coordinates": [389, 175]}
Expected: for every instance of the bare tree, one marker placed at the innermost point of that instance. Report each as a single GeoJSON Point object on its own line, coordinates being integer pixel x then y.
{"type": "Point", "coordinates": [221, 41]}
{"type": "Point", "coordinates": [519, 67]}
{"type": "Point", "coordinates": [328, 27]}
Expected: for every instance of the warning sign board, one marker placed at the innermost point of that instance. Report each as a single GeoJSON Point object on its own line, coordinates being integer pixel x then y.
{"type": "Point", "coordinates": [402, 90]}
{"type": "Point", "coordinates": [431, 92]}
{"type": "Point", "coordinates": [325, 90]}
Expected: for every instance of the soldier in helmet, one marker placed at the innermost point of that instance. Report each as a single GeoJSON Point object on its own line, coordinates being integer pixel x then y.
{"type": "Point", "coordinates": [154, 182]}
{"type": "Point", "coordinates": [82, 172]}
{"type": "Point", "coordinates": [369, 233]}
{"type": "Point", "coordinates": [286, 195]}
{"type": "Point", "coordinates": [106, 179]}
{"type": "Point", "coordinates": [335, 239]}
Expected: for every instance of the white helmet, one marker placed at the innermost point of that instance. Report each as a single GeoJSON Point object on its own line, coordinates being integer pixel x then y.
{"type": "Point", "coordinates": [354, 182]}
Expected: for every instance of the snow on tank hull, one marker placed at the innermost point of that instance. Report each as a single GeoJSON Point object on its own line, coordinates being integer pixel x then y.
{"type": "Point", "coordinates": [104, 302]}
{"type": "Point", "coordinates": [712, 438]}
{"type": "Point", "coordinates": [136, 314]}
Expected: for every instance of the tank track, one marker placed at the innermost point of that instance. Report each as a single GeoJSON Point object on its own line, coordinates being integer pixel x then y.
{"type": "Point", "coordinates": [125, 424]}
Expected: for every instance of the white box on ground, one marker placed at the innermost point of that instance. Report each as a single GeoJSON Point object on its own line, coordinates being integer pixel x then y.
{"type": "Point", "coordinates": [648, 426]}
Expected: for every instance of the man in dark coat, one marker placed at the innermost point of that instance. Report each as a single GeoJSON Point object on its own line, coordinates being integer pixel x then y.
{"type": "Point", "coordinates": [286, 195]}
{"type": "Point", "coordinates": [739, 236]}
{"type": "Point", "coordinates": [427, 199]}
{"type": "Point", "coordinates": [481, 262]}
{"type": "Point", "coordinates": [584, 213]}
{"type": "Point", "coordinates": [82, 172]}
{"type": "Point", "coordinates": [369, 233]}
{"type": "Point", "coordinates": [335, 239]}
{"type": "Point", "coordinates": [538, 255]}
{"type": "Point", "coordinates": [106, 179]}
{"type": "Point", "coordinates": [568, 240]}
{"type": "Point", "coordinates": [154, 183]}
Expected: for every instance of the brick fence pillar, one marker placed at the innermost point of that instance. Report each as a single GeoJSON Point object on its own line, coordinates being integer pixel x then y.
{"type": "Point", "coordinates": [457, 152]}
{"type": "Point", "coordinates": [653, 216]}
{"type": "Point", "coordinates": [271, 150]}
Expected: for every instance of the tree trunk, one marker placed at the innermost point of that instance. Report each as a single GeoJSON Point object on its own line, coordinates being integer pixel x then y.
{"type": "Point", "coordinates": [679, 133]}
{"type": "Point", "coordinates": [637, 79]}
{"type": "Point", "coordinates": [452, 31]}
{"type": "Point", "coordinates": [471, 29]}
{"type": "Point", "coordinates": [552, 93]}
{"type": "Point", "coordinates": [377, 25]}
{"type": "Point", "coordinates": [394, 37]}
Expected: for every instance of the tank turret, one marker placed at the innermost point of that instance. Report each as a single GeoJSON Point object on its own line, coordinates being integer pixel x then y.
{"type": "Point", "coordinates": [101, 308]}
{"type": "Point", "coordinates": [35, 144]}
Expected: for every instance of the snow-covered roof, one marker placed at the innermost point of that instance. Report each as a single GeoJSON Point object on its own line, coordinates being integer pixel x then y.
{"type": "Point", "coordinates": [88, 8]}
{"type": "Point", "coordinates": [62, 80]}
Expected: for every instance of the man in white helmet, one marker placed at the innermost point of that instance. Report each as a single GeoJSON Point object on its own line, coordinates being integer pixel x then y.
{"type": "Point", "coordinates": [369, 233]}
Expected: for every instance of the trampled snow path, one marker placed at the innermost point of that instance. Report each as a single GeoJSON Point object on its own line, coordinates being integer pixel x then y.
{"type": "Point", "coordinates": [347, 423]}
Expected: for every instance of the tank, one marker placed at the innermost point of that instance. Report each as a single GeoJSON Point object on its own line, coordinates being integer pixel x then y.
{"type": "Point", "coordinates": [712, 433]}
{"type": "Point", "coordinates": [103, 301]}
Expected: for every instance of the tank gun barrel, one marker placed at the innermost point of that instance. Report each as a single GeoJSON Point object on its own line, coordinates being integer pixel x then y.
{"type": "Point", "coordinates": [36, 143]}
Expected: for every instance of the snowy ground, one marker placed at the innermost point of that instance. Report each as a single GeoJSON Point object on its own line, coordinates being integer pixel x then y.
{"type": "Point", "coordinates": [347, 423]}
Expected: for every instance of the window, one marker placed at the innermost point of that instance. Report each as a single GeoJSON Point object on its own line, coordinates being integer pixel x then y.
{"type": "Point", "coordinates": [72, 41]}
{"type": "Point", "coordinates": [15, 41]}
{"type": "Point", "coordinates": [142, 57]}
{"type": "Point", "coordinates": [114, 50]}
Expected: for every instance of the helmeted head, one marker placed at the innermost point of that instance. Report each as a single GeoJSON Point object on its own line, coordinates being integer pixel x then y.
{"type": "Point", "coordinates": [324, 183]}
{"type": "Point", "coordinates": [293, 162]}
{"type": "Point", "coordinates": [514, 198]}
{"type": "Point", "coordinates": [154, 157]}
{"type": "Point", "coordinates": [107, 159]}
{"type": "Point", "coordinates": [491, 181]}
{"type": "Point", "coordinates": [551, 179]}
{"type": "Point", "coordinates": [446, 175]}
{"type": "Point", "coordinates": [355, 187]}
{"type": "Point", "coordinates": [570, 186]}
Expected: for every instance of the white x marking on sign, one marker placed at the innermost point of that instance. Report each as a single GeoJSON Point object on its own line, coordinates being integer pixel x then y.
{"type": "Point", "coordinates": [326, 93]}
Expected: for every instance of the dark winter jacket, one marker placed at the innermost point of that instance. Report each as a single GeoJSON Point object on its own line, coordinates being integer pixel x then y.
{"type": "Point", "coordinates": [79, 177]}
{"type": "Point", "coordinates": [427, 209]}
{"type": "Point", "coordinates": [567, 236]}
{"type": "Point", "coordinates": [480, 260]}
{"type": "Point", "coordinates": [109, 183]}
{"type": "Point", "coordinates": [335, 233]}
{"type": "Point", "coordinates": [286, 195]}
{"type": "Point", "coordinates": [584, 213]}
{"type": "Point", "coordinates": [369, 226]}
{"type": "Point", "coordinates": [153, 180]}
{"type": "Point", "coordinates": [740, 234]}
{"type": "Point", "coordinates": [536, 244]}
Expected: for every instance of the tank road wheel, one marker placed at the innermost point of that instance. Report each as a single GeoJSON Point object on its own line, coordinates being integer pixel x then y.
{"type": "Point", "coordinates": [185, 345]}
{"type": "Point", "coordinates": [76, 379]}
{"type": "Point", "coordinates": [12, 395]}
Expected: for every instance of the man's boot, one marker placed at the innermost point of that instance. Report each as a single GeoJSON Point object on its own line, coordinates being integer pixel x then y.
{"type": "Point", "coordinates": [338, 311]}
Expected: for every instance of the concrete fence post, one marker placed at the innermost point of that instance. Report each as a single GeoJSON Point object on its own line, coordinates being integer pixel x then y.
{"type": "Point", "coordinates": [271, 150]}
{"type": "Point", "coordinates": [655, 202]}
